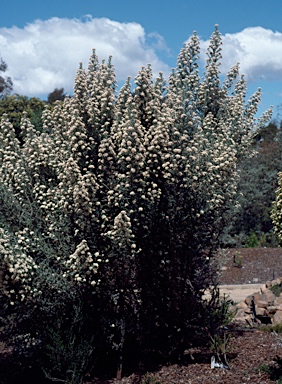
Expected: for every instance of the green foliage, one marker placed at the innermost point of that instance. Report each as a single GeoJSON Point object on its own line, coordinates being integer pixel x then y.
{"type": "Point", "coordinates": [219, 346]}
{"type": "Point", "coordinates": [256, 188]}
{"type": "Point", "coordinates": [276, 289]}
{"type": "Point", "coordinates": [252, 240]}
{"type": "Point", "coordinates": [112, 213]}
{"type": "Point", "coordinates": [274, 371]}
{"type": "Point", "coordinates": [238, 259]}
{"type": "Point", "coordinates": [68, 348]}
{"type": "Point", "coordinates": [219, 338]}
{"type": "Point", "coordinates": [273, 328]}
{"type": "Point", "coordinates": [14, 106]}
{"type": "Point", "coordinates": [265, 368]}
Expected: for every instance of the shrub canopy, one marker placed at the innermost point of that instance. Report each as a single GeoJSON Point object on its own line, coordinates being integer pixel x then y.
{"type": "Point", "coordinates": [115, 209]}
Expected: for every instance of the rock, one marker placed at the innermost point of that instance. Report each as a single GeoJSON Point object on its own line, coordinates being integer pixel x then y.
{"type": "Point", "coordinates": [276, 281]}
{"type": "Point", "coordinates": [263, 288]}
{"type": "Point", "coordinates": [242, 305]}
{"type": "Point", "coordinates": [262, 304]}
{"type": "Point", "coordinates": [268, 296]}
{"type": "Point", "coordinates": [240, 314]}
{"type": "Point", "coordinates": [261, 311]}
{"type": "Point", "coordinates": [277, 318]}
{"type": "Point", "coordinates": [278, 301]}
{"type": "Point", "coordinates": [268, 306]}
{"type": "Point", "coordinates": [256, 297]}
{"type": "Point", "coordinates": [271, 310]}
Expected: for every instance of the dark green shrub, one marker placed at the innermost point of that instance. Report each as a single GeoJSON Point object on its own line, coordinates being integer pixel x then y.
{"type": "Point", "coordinates": [252, 240]}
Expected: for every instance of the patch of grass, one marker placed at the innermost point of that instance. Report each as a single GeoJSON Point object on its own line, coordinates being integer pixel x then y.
{"type": "Point", "coordinates": [237, 259]}
{"type": "Point", "coordinates": [265, 368]}
{"type": "Point", "coordinates": [274, 371]}
{"type": "Point", "coordinates": [276, 289]}
{"type": "Point", "coordinates": [273, 328]}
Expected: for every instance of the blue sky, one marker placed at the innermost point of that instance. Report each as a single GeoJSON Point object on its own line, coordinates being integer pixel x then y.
{"type": "Point", "coordinates": [43, 41]}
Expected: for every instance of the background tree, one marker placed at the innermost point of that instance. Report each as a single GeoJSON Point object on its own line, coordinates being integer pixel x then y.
{"type": "Point", "coordinates": [111, 216]}
{"type": "Point", "coordinates": [57, 94]}
{"type": "Point", "coordinates": [257, 186]}
{"type": "Point", "coordinates": [14, 106]}
{"type": "Point", "coordinates": [6, 84]}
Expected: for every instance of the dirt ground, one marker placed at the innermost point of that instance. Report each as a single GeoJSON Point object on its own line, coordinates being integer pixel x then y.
{"type": "Point", "coordinates": [257, 266]}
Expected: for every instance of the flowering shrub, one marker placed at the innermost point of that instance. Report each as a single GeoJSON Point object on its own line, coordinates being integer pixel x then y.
{"type": "Point", "coordinates": [116, 208]}
{"type": "Point", "coordinates": [276, 213]}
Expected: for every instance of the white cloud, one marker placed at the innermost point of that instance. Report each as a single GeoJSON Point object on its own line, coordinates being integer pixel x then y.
{"type": "Point", "coordinates": [46, 54]}
{"type": "Point", "coordinates": [258, 50]}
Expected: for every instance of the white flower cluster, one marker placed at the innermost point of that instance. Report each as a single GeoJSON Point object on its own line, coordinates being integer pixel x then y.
{"type": "Point", "coordinates": [121, 236]}
{"type": "Point", "coordinates": [276, 213]}
{"type": "Point", "coordinates": [19, 266]}
{"type": "Point", "coordinates": [81, 264]}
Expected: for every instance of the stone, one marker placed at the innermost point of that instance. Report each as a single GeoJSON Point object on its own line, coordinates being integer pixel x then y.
{"type": "Point", "coordinates": [276, 281]}
{"type": "Point", "coordinates": [271, 309]}
{"type": "Point", "coordinates": [277, 318]}
{"type": "Point", "coordinates": [261, 311]}
{"type": "Point", "coordinates": [263, 288]}
{"type": "Point", "coordinates": [240, 314]}
{"type": "Point", "coordinates": [242, 305]}
{"type": "Point", "coordinates": [268, 307]}
{"type": "Point", "coordinates": [256, 297]}
{"type": "Point", "coordinates": [262, 304]}
{"type": "Point", "coordinates": [268, 296]}
{"type": "Point", "coordinates": [278, 301]}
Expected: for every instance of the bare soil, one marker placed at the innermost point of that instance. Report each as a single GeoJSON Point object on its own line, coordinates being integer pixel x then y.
{"type": "Point", "coordinates": [258, 265]}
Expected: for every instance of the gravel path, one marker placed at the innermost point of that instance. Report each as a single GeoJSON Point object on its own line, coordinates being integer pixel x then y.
{"type": "Point", "coordinates": [239, 292]}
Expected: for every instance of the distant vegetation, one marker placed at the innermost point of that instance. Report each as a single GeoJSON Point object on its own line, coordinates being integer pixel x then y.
{"type": "Point", "coordinates": [252, 224]}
